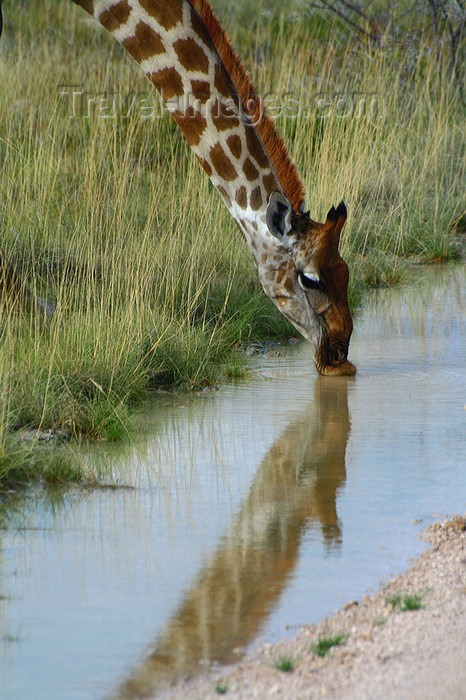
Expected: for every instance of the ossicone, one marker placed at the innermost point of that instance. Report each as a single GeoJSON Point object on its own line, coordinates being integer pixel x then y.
{"type": "Point", "coordinates": [341, 210]}
{"type": "Point", "coordinates": [335, 221]}
{"type": "Point", "coordinates": [337, 214]}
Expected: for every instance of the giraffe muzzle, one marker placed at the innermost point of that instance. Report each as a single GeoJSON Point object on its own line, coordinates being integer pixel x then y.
{"type": "Point", "coordinates": [332, 359]}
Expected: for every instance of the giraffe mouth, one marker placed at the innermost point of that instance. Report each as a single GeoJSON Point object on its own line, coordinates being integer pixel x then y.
{"type": "Point", "coordinates": [331, 358]}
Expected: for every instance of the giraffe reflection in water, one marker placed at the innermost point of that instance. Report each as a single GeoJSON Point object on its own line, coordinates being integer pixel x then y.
{"type": "Point", "coordinates": [296, 484]}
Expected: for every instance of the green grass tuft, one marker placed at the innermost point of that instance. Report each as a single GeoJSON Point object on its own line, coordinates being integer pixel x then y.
{"type": "Point", "coordinates": [285, 664]}
{"type": "Point", "coordinates": [394, 600]}
{"type": "Point", "coordinates": [405, 601]}
{"type": "Point", "coordinates": [324, 644]}
{"type": "Point", "coordinates": [221, 688]}
{"type": "Point", "coordinates": [411, 602]}
{"type": "Point", "coordinates": [236, 368]}
{"type": "Point", "coordinates": [23, 463]}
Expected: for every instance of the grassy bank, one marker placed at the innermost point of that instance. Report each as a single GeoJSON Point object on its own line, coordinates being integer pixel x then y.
{"type": "Point", "coordinates": [112, 219]}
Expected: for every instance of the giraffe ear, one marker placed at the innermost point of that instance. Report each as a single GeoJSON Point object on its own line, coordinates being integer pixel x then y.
{"type": "Point", "coordinates": [278, 216]}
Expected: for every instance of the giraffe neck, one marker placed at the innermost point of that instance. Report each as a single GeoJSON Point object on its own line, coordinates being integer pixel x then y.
{"type": "Point", "coordinates": [173, 46]}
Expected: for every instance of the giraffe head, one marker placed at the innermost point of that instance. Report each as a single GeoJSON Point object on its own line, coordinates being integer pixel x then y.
{"type": "Point", "coordinates": [312, 293]}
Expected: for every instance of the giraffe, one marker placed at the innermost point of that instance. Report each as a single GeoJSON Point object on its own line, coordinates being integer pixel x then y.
{"type": "Point", "coordinates": [295, 487]}
{"type": "Point", "coordinates": [184, 51]}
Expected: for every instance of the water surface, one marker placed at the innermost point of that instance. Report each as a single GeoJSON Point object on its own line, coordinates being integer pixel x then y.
{"type": "Point", "coordinates": [251, 510]}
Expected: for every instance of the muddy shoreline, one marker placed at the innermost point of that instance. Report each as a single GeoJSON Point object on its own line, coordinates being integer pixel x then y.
{"type": "Point", "coordinates": [388, 652]}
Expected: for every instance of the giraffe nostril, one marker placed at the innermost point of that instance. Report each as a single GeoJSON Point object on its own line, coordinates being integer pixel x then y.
{"type": "Point", "coordinates": [338, 353]}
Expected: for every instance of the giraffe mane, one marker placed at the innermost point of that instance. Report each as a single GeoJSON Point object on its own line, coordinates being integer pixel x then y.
{"type": "Point", "coordinates": [273, 143]}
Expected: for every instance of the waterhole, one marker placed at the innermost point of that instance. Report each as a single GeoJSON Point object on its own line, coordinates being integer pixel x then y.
{"type": "Point", "coordinates": [245, 512]}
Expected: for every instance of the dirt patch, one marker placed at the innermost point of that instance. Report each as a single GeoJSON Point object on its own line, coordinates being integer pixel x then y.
{"type": "Point", "coordinates": [406, 641]}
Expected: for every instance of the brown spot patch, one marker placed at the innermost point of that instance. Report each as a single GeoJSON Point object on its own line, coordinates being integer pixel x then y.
{"type": "Point", "coordinates": [234, 144]}
{"type": "Point", "coordinates": [254, 225]}
{"type": "Point", "coordinates": [222, 117]}
{"type": "Point", "coordinates": [288, 285]}
{"type": "Point", "coordinates": [280, 275]}
{"type": "Point", "coordinates": [222, 163]}
{"type": "Point", "coordinates": [264, 258]}
{"type": "Point", "coordinates": [191, 55]}
{"type": "Point", "coordinates": [255, 147]}
{"type": "Point", "coordinates": [115, 16]}
{"type": "Point", "coordinates": [205, 165]}
{"type": "Point", "coordinates": [168, 82]}
{"type": "Point", "coordinates": [144, 43]}
{"type": "Point", "coordinates": [222, 81]}
{"type": "Point", "coordinates": [191, 123]}
{"type": "Point", "coordinates": [168, 14]}
{"type": "Point", "coordinates": [225, 195]}
{"type": "Point", "coordinates": [242, 197]}
{"type": "Point", "coordinates": [250, 170]}
{"type": "Point", "coordinates": [256, 199]}
{"type": "Point", "coordinates": [201, 90]}
{"type": "Point", "coordinates": [270, 183]}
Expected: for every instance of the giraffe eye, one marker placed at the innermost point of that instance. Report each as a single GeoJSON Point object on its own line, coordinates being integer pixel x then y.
{"type": "Point", "coordinates": [309, 281]}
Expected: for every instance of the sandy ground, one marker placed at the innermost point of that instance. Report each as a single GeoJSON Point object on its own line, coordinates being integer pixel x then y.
{"type": "Point", "coordinates": [389, 653]}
